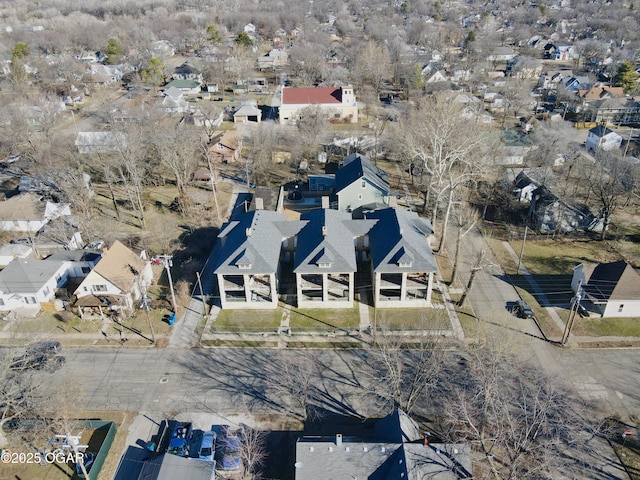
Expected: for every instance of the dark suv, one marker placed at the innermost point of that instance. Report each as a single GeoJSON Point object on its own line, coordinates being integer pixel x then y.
{"type": "Point", "coordinates": [522, 309]}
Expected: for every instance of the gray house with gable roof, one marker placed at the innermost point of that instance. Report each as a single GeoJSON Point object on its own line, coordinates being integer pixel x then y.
{"type": "Point", "coordinates": [361, 186]}
{"type": "Point", "coordinates": [248, 261]}
{"type": "Point", "coordinates": [402, 262]}
{"type": "Point", "coordinates": [325, 258]}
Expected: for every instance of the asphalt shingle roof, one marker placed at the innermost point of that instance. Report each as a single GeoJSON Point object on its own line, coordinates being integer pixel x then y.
{"type": "Point", "coordinates": [612, 281]}
{"type": "Point", "coordinates": [400, 236]}
{"type": "Point", "coordinates": [25, 275]}
{"type": "Point", "coordinates": [253, 238]}
{"type": "Point", "coordinates": [311, 95]}
{"type": "Point", "coordinates": [332, 244]}
{"type": "Point", "coordinates": [357, 166]}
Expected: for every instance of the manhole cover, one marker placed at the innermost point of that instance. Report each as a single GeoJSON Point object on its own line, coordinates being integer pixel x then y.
{"type": "Point", "coordinates": [164, 380]}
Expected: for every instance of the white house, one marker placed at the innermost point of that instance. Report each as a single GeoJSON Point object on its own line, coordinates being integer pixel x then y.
{"type": "Point", "coordinates": [27, 283]}
{"type": "Point", "coordinates": [11, 251]}
{"type": "Point", "coordinates": [610, 289]}
{"type": "Point", "coordinates": [28, 213]}
{"type": "Point", "coordinates": [602, 138]}
{"type": "Point", "coordinates": [119, 278]}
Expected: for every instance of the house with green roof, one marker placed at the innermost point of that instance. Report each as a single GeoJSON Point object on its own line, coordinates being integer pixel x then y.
{"type": "Point", "coordinates": [187, 87]}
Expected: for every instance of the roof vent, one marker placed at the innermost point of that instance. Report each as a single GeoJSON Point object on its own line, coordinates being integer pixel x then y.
{"type": "Point", "coordinates": [248, 232]}
{"type": "Point", "coordinates": [311, 449]}
{"type": "Point", "coordinates": [365, 449]}
{"type": "Point", "coordinates": [324, 230]}
{"type": "Point", "coordinates": [338, 439]}
{"type": "Point", "coordinates": [382, 449]}
{"type": "Point", "coordinates": [331, 449]}
{"type": "Point", "coordinates": [347, 449]}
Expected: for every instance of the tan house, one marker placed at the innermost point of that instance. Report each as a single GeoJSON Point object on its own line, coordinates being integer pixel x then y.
{"type": "Point", "coordinates": [335, 103]}
{"type": "Point", "coordinates": [115, 283]}
{"type": "Point", "coordinates": [225, 147]}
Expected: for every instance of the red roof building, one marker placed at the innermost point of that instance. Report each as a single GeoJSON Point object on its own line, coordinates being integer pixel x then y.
{"type": "Point", "coordinates": [338, 104]}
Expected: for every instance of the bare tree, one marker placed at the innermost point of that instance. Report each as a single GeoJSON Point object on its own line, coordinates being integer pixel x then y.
{"type": "Point", "coordinates": [448, 148]}
{"type": "Point", "coordinates": [293, 381]}
{"type": "Point", "coordinates": [610, 179]}
{"type": "Point", "coordinates": [19, 389]}
{"type": "Point", "coordinates": [403, 375]}
{"type": "Point", "coordinates": [522, 422]}
{"type": "Point", "coordinates": [466, 217]}
{"type": "Point", "coordinates": [252, 452]}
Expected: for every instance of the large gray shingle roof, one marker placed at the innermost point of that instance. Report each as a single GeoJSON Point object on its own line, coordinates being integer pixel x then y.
{"type": "Point", "coordinates": [400, 236]}
{"type": "Point", "coordinates": [335, 245]}
{"type": "Point", "coordinates": [25, 275]}
{"type": "Point", "coordinates": [253, 238]}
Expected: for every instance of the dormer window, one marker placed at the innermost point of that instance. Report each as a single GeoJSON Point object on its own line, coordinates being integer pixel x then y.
{"type": "Point", "coordinates": [244, 266]}
{"type": "Point", "coordinates": [404, 264]}
{"type": "Point", "coordinates": [324, 264]}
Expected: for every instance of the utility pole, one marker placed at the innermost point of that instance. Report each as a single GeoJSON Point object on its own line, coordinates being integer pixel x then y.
{"type": "Point", "coordinates": [575, 303]}
{"type": "Point", "coordinates": [524, 240]}
{"type": "Point", "coordinates": [626, 149]}
{"type": "Point", "coordinates": [145, 302]}
{"type": "Point", "coordinates": [204, 303]}
{"type": "Point", "coordinates": [167, 263]}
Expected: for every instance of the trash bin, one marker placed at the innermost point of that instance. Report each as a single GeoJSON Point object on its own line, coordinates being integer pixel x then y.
{"type": "Point", "coordinates": [171, 318]}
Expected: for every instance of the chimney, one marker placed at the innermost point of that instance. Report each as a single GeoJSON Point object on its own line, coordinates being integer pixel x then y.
{"type": "Point", "coordinates": [338, 439]}
{"type": "Point", "coordinates": [425, 440]}
{"type": "Point", "coordinates": [324, 230]}
{"type": "Point", "coordinates": [248, 232]}
{"type": "Point", "coordinates": [325, 202]}
{"type": "Point", "coordinates": [259, 203]}
{"type": "Point", "coordinates": [393, 201]}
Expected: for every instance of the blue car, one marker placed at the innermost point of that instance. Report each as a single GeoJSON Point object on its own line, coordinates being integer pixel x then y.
{"type": "Point", "coordinates": [207, 446]}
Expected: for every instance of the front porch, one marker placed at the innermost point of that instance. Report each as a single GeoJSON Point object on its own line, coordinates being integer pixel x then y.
{"type": "Point", "coordinates": [325, 290]}
{"type": "Point", "coordinates": [402, 289]}
{"type": "Point", "coordinates": [249, 291]}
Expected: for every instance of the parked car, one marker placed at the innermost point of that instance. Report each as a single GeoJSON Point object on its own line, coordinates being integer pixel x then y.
{"type": "Point", "coordinates": [178, 435]}
{"type": "Point", "coordinates": [522, 309]}
{"type": "Point", "coordinates": [227, 448]}
{"type": "Point", "coordinates": [24, 240]}
{"type": "Point", "coordinates": [38, 362]}
{"type": "Point", "coordinates": [44, 348]}
{"type": "Point", "coordinates": [207, 446]}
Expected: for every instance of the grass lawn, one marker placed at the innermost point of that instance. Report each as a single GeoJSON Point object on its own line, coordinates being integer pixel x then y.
{"type": "Point", "coordinates": [607, 327]}
{"type": "Point", "coordinates": [56, 323]}
{"type": "Point", "coordinates": [246, 320]}
{"type": "Point", "coordinates": [65, 471]}
{"type": "Point", "coordinates": [323, 318]}
{"type": "Point", "coordinates": [412, 319]}
{"type": "Point", "coordinates": [558, 256]}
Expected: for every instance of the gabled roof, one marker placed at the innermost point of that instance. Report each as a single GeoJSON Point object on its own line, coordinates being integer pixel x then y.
{"type": "Point", "coordinates": [612, 281]}
{"type": "Point", "coordinates": [390, 457]}
{"type": "Point", "coordinates": [356, 167]}
{"type": "Point", "coordinates": [75, 256]}
{"type": "Point", "coordinates": [601, 131]}
{"type": "Point", "coordinates": [186, 69]}
{"type": "Point", "coordinates": [25, 275]}
{"type": "Point", "coordinates": [26, 206]}
{"type": "Point", "coordinates": [256, 237]}
{"type": "Point", "coordinates": [120, 266]}
{"type": "Point", "coordinates": [601, 91]}
{"type": "Point", "coordinates": [311, 95]}
{"type": "Point", "coordinates": [327, 238]}
{"type": "Point", "coordinates": [170, 467]}
{"type": "Point", "coordinates": [398, 242]}
{"type": "Point", "coordinates": [227, 138]}
{"type": "Point", "coordinates": [182, 84]}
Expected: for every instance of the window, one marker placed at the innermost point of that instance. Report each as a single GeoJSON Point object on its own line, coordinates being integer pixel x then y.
{"type": "Point", "coordinates": [620, 308]}
{"type": "Point", "coordinates": [99, 288]}
{"type": "Point", "coordinates": [244, 266]}
{"type": "Point", "coordinates": [1, 302]}
{"type": "Point", "coordinates": [46, 291]}
{"type": "Point", "coordinates": [404, 264]}
{"type": "Point", "coordinates": [30, 300]}
{"type": "Point", "coordinates": [86, 269]}
{"type": "Point", "coordinates": [324, 265]}
{"type": "Point", "coordinates": [360, 197]}
{"type": "Point", "coordinates": [363, 184]}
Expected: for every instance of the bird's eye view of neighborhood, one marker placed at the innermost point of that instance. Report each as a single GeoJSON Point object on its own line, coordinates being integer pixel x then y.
{"type": "Point", "coordinates": [319, 240]}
